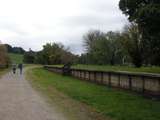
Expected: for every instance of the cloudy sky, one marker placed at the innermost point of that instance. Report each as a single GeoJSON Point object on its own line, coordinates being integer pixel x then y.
{"type": "Point", "coordinates": [32, 23]}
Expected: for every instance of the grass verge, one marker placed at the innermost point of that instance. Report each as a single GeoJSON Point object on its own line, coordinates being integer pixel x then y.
{"type": "Point", "coordinates": [152, 69]}
{"type": "Point", "coordinates": [116, 104]}
{"type": "Point", "coordinates": [71, 108]}
{"type": "Point", "coordinates": [3, 71]}
{"type": "Point", "coordinates": [16, 58]}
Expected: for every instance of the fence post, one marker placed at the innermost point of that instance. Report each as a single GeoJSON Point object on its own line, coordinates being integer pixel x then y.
{"type": "Point", "coordinates": [109, 78]}
{"type": "Point", "coordinates": [143, 84]}
{"type": "Point", "coordinates": [89, 75]}
{"type": "Point", "coordinates": [95, 77]}
{"type": "Point", "coordinates": [159, 88]}
{"type": "Point", "coordinates": [119, 77]}
{"type": "Point", "coordinates": [85, 75]}
{"type": "Point", "coordinates": [101, 77]}
{"type": "Point", "coordinates": [80, 74]}
{"type": "Point", "coordinates": [130, 82]}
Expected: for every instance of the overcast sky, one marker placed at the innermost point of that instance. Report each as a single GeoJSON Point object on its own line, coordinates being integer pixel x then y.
{"type": "Point", "coordinates": [32, 23]}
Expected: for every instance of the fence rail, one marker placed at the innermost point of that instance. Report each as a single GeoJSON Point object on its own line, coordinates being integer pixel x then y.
{"type": "Point", "coordinates": [145, 83]}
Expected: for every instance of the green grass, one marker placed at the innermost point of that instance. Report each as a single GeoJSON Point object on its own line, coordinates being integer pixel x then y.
{"type": "Point", "coordinates": [16, 58]}
{"type": "Point", "coordinates": [116, 104]}
{"type": "Point", "coordinates": [117, 68]}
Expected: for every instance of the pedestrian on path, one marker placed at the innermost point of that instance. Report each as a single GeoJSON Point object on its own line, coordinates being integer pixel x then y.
{"type": "Point", "coordinates": [14, 68]}
{"type": "Point", "coordinates": [20, 66]}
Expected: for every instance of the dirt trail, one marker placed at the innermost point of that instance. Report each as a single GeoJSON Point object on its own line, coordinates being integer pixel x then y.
{"type": "Point", "coordinates": [19, 101]}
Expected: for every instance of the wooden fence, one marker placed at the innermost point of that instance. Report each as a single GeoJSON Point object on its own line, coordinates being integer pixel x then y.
{"type": "Point", "coordinates": [147, 84]}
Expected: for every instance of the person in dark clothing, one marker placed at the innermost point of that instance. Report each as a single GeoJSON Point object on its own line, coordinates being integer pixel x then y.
{"type": "Point", "coordinates": [14, 68]}
{"type": "Point", "coordinates": [20, 66]}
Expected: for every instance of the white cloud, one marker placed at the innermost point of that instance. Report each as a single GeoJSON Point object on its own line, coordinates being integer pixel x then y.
{"type": "Point", "coordinates": [32, 23]}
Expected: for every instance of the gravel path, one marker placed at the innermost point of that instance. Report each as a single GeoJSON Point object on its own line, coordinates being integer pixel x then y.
{"type": "Point", "coordinates": [19, 101]}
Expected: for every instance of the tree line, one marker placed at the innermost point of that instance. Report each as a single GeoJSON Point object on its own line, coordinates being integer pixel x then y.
{"type": "Point", "coordinates": [16, 50]}
{"type": "Point", "coordinates": [137, 44]}
{"type": "Point", "coordinates": [52, 53]}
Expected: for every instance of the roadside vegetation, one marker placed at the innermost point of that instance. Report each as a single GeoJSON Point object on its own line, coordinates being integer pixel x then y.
{"type": "Point", "coordinates": [16, 58]}
{"type": "Point", "coordinates": [137, 44]}
{"type": "Point", "coordinates": [3, 71]}
{"type": "Point", "coordinates": [115, 68]}
{"type": "Point", "coordinates": [152, 69]}
{"type": "Point", "coordinates": [116, 104]}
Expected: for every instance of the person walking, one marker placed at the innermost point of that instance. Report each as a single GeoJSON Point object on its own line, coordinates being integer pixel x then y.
{"type": "Point", "coordinates": [20, 66]}
{"type": "Point", "coordinates": [14, 68]}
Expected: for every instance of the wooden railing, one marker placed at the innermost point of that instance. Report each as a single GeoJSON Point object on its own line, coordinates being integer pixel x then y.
{"type": "Point", "coordinates": [145, 83]}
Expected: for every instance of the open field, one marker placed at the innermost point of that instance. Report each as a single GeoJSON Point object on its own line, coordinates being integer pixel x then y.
{"type": "Point", "coordinates": [113, 103]}
{"type": "Point", "coordinates": [116, 68]}
{"type": "Point", "coordinates": [16, 58]}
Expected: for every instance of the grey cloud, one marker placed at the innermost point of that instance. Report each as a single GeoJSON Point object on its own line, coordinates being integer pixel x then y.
{"type": "Point", "coordinates": [92, 14]}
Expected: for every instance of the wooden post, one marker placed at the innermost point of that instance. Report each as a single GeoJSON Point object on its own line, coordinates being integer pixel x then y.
{"type": "Point", "coordinates": [130, 82]}
{"type": "Point", "coordinates": [159, 87]}
{"type": "Point", "coordinates": [89, 75]}
{"type": "Point", "coordinates": [143, 84]}
{"type": "Point", "coordinates": [119, 78]}
{"type": "Point", "coordinates": [80, 74]}
{"type": "Point", "coordinates": [95, 77]}
{"type": "Point", "coordinates": [85, 75]}
{"type": "Point", "coordinates": [101, 77]}
{"type": "Point", "coordinates": [109, 78]}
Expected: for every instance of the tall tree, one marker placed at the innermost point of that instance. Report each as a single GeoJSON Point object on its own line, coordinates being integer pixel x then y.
{"type": "Point", "coordinates": [146, 13]}
{"type": "Point", "coordinates": [132, 41]}
{"type": "Point", "coordinates": [103, 48]}
{"type": "Point", "coordinates": [4, 58]}
{"type": "Point", "coordinates": [54, 53]}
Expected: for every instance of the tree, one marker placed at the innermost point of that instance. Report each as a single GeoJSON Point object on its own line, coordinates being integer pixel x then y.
{"type": "Point", "coordinates": [29, 57]}
{"type": "Point", "coordinates": [17, 50]}
{"type": "Point", "coordinates": [115, 51]}
{"type": "Point", "coordinates": [132, 41]}
{"type": "Point", "coordinates": [103, 48]}
{"type": "Point", "coordinates": [4, 58]}
{"type": "Point", "coordinates": [54, 53]}
{"type": "Point", "coordinates": [92, 41]}
{"type": "Point", "coordinates": [146, 13]}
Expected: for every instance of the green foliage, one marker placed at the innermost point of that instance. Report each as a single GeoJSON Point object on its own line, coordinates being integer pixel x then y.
{"type": "Point", "coordinates": [103, 48]}
{"type": "Point", "coordinates": [4, 58]}
{"type": "Point", "coordinates": [54, 54]}
{"type": "Point", "coordinates": [117, 104]}
{"type": "Point", "coordinates": [17, 50]}
{"type": "Point", "coordinates": [16, 58]}
{"type": "Point", "coordinates": [146, 13]}
{"type": "Point", "coordinates": [51, 54]}
{"type": "Point", "coordinates": [118, 68]}
{"type": "Point", "coordinates": [29, 57]}
{"type": "Point", "coordinates": [133, 43]}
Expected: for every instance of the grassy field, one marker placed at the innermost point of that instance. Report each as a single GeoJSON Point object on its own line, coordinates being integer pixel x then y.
{"type": "Point", "coordinates": [116, 104]}
{"type": "Point", "coordinates": [16, 58]}
{"type": "Point", "coordinates": [116, 68]}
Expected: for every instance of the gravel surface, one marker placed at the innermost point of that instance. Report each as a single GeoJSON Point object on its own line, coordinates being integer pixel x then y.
{"type": "Point", "coordinates": [19, 101]}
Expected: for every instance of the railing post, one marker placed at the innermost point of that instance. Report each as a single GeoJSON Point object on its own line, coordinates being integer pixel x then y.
{"type": "Point", "coordinates": [109, 78]}
{"type": "Point", "coordinates": [119, 78]}
{"type": "Point", "coordinates": [85, 75]}
{"type": "Point", "coordinates": [101, 77]}
{"type": "Point", "coordinates": [89, 75]}
{"type": "Point", "coordinates": [80, 74]}
{"type": "Point", "coordinates": [95, 77]}
{"type": "Point", "coordinates": [143, 84]}
{"type": "Point", "coordinates": [130, 82]}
